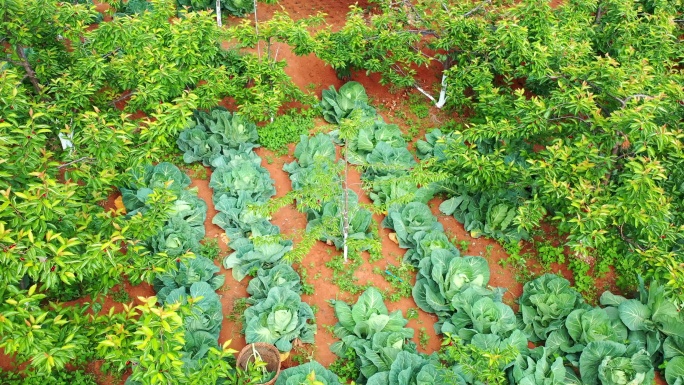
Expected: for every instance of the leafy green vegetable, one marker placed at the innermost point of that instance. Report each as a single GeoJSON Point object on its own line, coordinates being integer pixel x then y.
{"type": "Point", "coordinates": [143, 181]}
{"type": "Point", "coordinates": [239, 221]}
{"type": "Point", "coordinates": [282, 275]}
{"type": "Point", "coordinates": [650, 318]}
{"type": "Point", "coordinates": [337, 106]}
{"type": "Point", "coordinates": [479, 311]}
{"type": "Point", "coordinates": [190, 271]}
{"type": "Point", "coordinates": [583, 326]}
{"type": "Point", "coordinates": [409, 221]}
{"type": "Point", "coordinates": [206, 316]}
{"type": "Point", "coordinates": [612, 363]}
{"type": "Point", "coordinates": [211, 134]}
{"type": "Point", "coordinates": [427, 243]}
{"type": "Point", "coordinates": [390, 190]}
{"type": "Point", "coordinates": [545, 303]}
{"type": "Point", "coordinates": [441, 277]}
{"type": "Point", "coordinates": [491, 214]}
{"type": "Point", "coordinates": [310, 151]}
{"type": "Point", "coordinates": [386, 160]}
{"type": "Point", "coordinates": [369, 136]}
{"type": "Point", "coordinates": [244, 180]}
{"type": "Point", "coordinates": [368, 328]}
{"type": "Point", "coordinates": [252, 254]}
{"type": "Point", "coordinates": [299, 374]}
{"type": "Point", "coordinates": [412, 369]}
{"type": "Point", "coordinates": [175, 239]}
{"type": "Point", "coordinates": [434, 145]}
{"type": "Point", "coordinates": [674, 371]}
{"type": "Point", "coordinates": [331, 216]}
{"type": "Point", "coordinates": [538, 368]}
{"type": "Point", "coordinates": [279, 319]}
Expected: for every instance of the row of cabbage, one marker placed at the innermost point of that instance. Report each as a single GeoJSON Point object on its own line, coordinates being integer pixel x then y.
{"type": "Point", "coordinates": [379, 341]}
{"type": "Point", "coordinates": [226, 142]}
{"type": "Point", "coordinates": [193, 280]}
{"type": "Point", "coordinates": [619, 343]}
{"type": "Point", "coordinates": [277, 315]}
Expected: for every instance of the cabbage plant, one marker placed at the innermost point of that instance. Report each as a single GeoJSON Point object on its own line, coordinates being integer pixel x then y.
{"type": "Point", "coordinates": [612, 363]}
{"type": "Point", "coordinates": [339, 105]}
{"type": "Point", "coordinates": [310, 371]}
{"type": "Point", "coordinates": [441, 277]}
{"type": "Point", "coordinates": [427, 243]}
{"type": "Point", "coordinates": [375, 335]}
{"type": "Point", "coordinates": [479, 311]}
{"type": "Point", "coordinates": [369, 135]}
{"type": "Point", "coordinates": [541, 368]}
{"type": "Point", "coordinates": [386, 160]}
{"type": "Point", "coordinates": [253, 254]}
{"type": "Point", "coordinates": [210, 135]}
{"type": "Point", "coordinates": [583, 326]}
{"type": "Point", "coordinates": [650, 318]}
{"type": "Point", "coordinates": [545, 303]}
{"type": "Point", "coordinates": [410, 220]}
{"type": "Point", "coordinates": [413, 369]}
{"type": "Point", "coordinates": [190, 271]}
{"type": "Point", "coordinates": [206, 311]}
{"type": "Point", "coordinates": [279, 319]}
{"type": "Point", "coordinates": [282, 275]}
{"type": "Point", "coordinates": [331, 216]}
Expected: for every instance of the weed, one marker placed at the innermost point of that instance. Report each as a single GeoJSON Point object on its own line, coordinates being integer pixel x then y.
{"type": "Point", "coordinates": [285, 129]}
{"type": "Point", "coordinates": [584, 282]}
{"type": "Point", "coordinates": [346, 368]}
{"type": "Point", "coordinates": [302, 355]}
{"type": "Point", "coordinates": [196, 171]}
{"type": "Point", "coordinates": [121, 296]}
{"type": "Point", "coordinates": [548, 254]}
{"type": "Point", "coordinates": [399, 278]}
{"type": "Point", "coordinates": [411, 313]}
{"type": "Point", "coordinates": [517, 262]}
{"type": "Point", "coordinates": [488, 252]}
{"type": "Point", "coordinates": [307, 288]}
{"type": "Point", "coordinates": [343, 273]}
{"type": "Point", "coordinates": [311, 87]}
{"type": "Point", "coordinates": [238, 312]}
{"type": "Point", "coordinates": [209, 248]}
{"type": "Point", "coordinates": [423, 338]}
{"type": "Point", "coordinates": [463, 245]}
{"type": "Point", "coordinates": [418, 106]}
{"type": "Point", "coordinates": [269, 159]}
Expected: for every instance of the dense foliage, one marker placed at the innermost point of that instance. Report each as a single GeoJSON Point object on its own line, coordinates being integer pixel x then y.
{"type": "Point", "coordinates": [574, 115]}
{"type": "Point", "coordinates": [570, 115]}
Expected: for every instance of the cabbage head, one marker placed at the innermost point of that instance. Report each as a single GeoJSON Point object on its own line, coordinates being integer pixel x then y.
{"type": "Point", "coordinates": [279, 319]}
{"type": "Point", "coordinates": [545, 303]}
{"type": "Point", "coordinates": [441, 278]}
{"type": "Point", "coordinates": [612, 363]}
{"type": "Point", "coordinates": [413, 369]}
{"type": "Point", "coordinates": [409, 221]}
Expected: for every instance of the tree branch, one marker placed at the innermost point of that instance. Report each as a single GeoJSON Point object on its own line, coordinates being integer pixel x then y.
{"type": "Point", "coordinates": [479, 6]}
{"type": "Point", "coordinates": [81, 159]}
{"type": "Point", "coordinates": [29, 71]}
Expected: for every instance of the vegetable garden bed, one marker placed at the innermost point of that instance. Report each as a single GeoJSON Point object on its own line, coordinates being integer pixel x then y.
{"type": "Point", "coordinates": [346, 243]}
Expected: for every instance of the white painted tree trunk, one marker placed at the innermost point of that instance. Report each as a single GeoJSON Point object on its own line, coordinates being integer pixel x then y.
{"type": "Point", "coordinates": [219, 22]}
{"type": "Point", "coordinates": [439, 103]}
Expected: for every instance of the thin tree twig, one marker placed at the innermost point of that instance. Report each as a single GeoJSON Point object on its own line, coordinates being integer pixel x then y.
{"type": "Point", "coordinates": [81, 159]}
